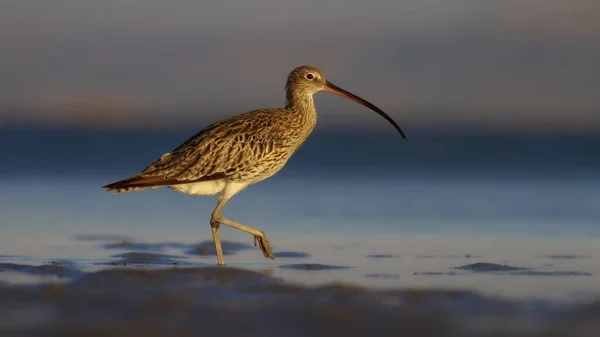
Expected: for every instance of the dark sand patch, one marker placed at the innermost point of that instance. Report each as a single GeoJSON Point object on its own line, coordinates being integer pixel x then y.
{"type": "Point", "coordinates": [488, 267]}
{"type": "Point", "coordinates": [313, 266]}
{"type": "Point", "coordinates": [483, 267]}
{"type": "Point", "coordinates": [383, 256]}
{"type": "Point", "coordinates": [465, 256]}
{"type": "Point", "coordinates": [62, 263]}
{"type": "Point", "coordinates": [223, 301]}
{"type": "Point", "coordinates": [386, 276]}
{"type": "Point", "coordinates": [100, 237]}
{"type": "Point", "coordinates": [47, 269]}
{"type": "Point", "coordinates": [563, 257]}
{"type": "Point", "coordinates": [207, 248]}
{"type": "Point", "coordinates": [435, 273]}
{"type": "Point", "coordinates": [146, 258]}
{"type": "Point", "coordinates": [290, 254]}
{"type": "Point", "coordinates": [151, 247]}
{"type": "Point", "coordinates": [182, 279]}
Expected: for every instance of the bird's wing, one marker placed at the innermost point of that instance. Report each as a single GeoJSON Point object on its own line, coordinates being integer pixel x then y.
{"type": "Point", "coordinates": [248, 143]}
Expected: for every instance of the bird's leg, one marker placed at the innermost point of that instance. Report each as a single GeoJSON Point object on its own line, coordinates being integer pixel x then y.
{"type": "Point", "coordinates": [259, 236]}
{"type": "Point", "coordinates": [214, 226]}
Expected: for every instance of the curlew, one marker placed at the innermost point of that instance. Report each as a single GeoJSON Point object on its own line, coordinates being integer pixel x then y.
{"type": "Point", "coordinates": [231, 154]}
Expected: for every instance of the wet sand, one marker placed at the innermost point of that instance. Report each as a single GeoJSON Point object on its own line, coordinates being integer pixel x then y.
{"type": "Point", "coordinates": [119, 286]}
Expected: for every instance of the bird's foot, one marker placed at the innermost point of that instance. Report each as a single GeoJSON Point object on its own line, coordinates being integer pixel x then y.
{"type": "Point", "coordinates": [264, 245]}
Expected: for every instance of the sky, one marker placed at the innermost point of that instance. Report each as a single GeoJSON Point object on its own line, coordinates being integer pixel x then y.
{"type": "Point", "coordinates": [521, 64]}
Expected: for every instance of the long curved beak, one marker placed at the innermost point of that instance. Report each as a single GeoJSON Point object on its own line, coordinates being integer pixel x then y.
{"type": "Point", "coordinates": [330, 87]}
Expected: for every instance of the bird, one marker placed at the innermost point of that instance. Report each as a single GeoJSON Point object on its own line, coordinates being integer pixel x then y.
{"type": "Point", "coordinates": [231, 154]}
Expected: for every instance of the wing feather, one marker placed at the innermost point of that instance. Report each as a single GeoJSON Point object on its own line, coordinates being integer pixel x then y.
{"type": "Point", "coordinates": [247, 144]}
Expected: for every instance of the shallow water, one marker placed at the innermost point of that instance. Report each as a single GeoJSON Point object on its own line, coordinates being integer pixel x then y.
{"type": "Point", "coordinates": [148, 286]}
{"type": "Point", "coordinates": [423, 262]}
{"type": "Point", "coordinates": [458, 226]}
{"type": "Point", "coordinates": [403, 232]}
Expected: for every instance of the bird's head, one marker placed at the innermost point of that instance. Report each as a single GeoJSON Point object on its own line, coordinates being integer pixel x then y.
{"type": "Point", "coordinates": [308, 80]}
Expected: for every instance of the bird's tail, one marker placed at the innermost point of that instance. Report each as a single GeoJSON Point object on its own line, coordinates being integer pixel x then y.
{"type": "Point", "coordinates": [134, 183]}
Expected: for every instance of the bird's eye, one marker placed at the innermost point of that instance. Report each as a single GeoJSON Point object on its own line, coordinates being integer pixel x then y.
{"type": "Point", "coordinates": [309, 76]}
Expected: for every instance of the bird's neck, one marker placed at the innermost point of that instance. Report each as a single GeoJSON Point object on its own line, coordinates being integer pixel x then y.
{"type": "Point", "coordinates": [302, 108]}
{"type": "Point", "coordinates": [300, 102]}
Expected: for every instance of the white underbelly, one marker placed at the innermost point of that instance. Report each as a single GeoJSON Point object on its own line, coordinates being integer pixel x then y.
{"type": "Point", "coordinates": [201, 188]}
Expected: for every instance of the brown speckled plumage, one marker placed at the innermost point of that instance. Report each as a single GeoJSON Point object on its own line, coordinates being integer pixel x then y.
{"type": "Point", "coordinates": [233, 153]}
{"type": "Point", "coordinates": [248, 147]}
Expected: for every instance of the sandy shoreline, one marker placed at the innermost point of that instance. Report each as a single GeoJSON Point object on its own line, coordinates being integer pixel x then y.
{"type": "Point", "coordinates": [98, 285]}
{"type": "Point", "coordinates": [226, 301]}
